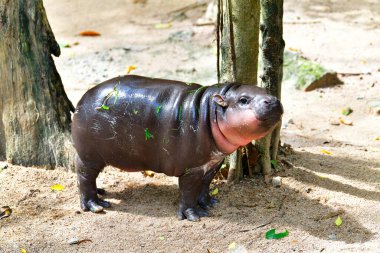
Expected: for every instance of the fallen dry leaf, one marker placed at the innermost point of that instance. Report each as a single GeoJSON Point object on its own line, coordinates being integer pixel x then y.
{"type": "Point", "coordinates": [89, 33]}
{"type": "Point", "coordinates": [324, 151]}
{"type": "Point", "coordinates": [57, 187]}
{"type": "Point", "coordinates": [163, 25]}
{"type": "Point", "coordinates": [148, 173]}
{"type": "Point", "coordinates": [345, 122]}
{"type": "Point", "coordinates": [131, 68]}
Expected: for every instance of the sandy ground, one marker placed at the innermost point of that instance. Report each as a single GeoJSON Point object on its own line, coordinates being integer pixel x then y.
{"type": "Point", "coordinates": [317, 187]}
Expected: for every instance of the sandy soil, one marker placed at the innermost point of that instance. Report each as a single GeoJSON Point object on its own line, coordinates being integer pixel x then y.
{"type": "Point", "coordinates": [341, 35]}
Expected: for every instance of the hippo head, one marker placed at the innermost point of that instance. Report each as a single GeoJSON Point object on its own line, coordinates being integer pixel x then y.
{"type": "Point", "coordinates": [244, 113]}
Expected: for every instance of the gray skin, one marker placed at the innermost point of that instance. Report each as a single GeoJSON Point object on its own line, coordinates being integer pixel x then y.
{"type": "Point", "coordinates": [184, 130]}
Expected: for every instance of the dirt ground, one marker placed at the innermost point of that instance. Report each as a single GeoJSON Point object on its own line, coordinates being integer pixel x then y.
{"type": "Point", "coordinates": [316, 187]}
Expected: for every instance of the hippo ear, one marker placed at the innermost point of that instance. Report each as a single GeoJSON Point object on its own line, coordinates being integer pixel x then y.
{"type": "Point", "coordinates": [220, 100]}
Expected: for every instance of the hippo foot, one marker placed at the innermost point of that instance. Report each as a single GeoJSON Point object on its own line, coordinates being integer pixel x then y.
{"type": "Point", "coordinates": [192, 214]}
{"type": "Point", "coordinates": [207, 202]}
{"type": "Point", "coordinates": [94, 205]}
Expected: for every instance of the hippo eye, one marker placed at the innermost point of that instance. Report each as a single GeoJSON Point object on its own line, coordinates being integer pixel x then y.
{"type": "Point", "coordinates": [243, 100]}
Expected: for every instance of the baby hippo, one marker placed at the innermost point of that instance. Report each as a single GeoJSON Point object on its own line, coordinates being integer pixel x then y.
{"type": "Point", "coordinates": [181, 129]}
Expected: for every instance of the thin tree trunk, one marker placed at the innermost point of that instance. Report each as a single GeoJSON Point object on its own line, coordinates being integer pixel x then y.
{"type": "Point", "coordinates": [272, 53]}
{"type": "Point", "coordinates": [34, 109]}
{"type": "Point", "coordinates": [238, 42]}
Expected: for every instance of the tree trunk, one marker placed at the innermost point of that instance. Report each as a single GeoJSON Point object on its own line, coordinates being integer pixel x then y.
{"type": "Point", "coordinates": [272, 54]}
{"type": "Point", "coordinates": [238, 42]}
{"type": "Point", "coordinates": [34, 109]}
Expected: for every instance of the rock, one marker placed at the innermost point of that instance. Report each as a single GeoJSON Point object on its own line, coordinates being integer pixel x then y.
{"type": "Point", "coordinates": [374, 106]}
{"type": "Point", "coordinates": [326, 80]}
{"type": "Point", "coordinates": [3, 166]}
{"type": "Point", "coordinates": [277, 181]}
{"type": "Point", "coordinates": [332, 237]}
{"type": "Point", "coordinates": [290, 121]}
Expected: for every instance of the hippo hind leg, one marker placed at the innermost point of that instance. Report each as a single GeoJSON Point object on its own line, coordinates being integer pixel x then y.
{"type": "Point", "coordinates": [190, 185]}
{"type": "Point", "coordinates": [87, 173]}
{"type": "Point", "coordinates": [204, 199]}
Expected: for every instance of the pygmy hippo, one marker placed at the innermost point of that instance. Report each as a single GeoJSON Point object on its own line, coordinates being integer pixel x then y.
{"type": "Point", "coordinates": [181, 129]}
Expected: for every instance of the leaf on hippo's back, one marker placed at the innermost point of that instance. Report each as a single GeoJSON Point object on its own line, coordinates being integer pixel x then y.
{"type": "Point", "coordinates": [271, 234]}
{"type": "Point", "coordinates": [338, 221]}
{"type": "Point", "coordinates": [215, 192]}
{"type": "Point", "coordinates": [89, 33]}
{"type": "Point", "coordinates": [163, 25]}
{"type": "Point", "coordinates": [57, 187]}
{"type": "Point", "coordinates": [130, 68]}
{"type": "Point", "coordinates": [232, 246]}
{"type": "Point", "coordinates": [347, 111]}
{"type": "Point", "coordinates": [5, 212]}
{"type": "Point", "coordinates": [148, 135]}
{"type": "Point", "coordinates": [324, 151]}
{"type": "Point", "coordinates": [105, 107]}
{"type": "Point", "coordinates": [158, 109]}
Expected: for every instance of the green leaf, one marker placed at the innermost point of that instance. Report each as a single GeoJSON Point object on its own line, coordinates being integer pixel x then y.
{"type": "Point", "coordinates": [271, 234]}
{"type": "Point", "coordinates": [158, 109]}
{"type": "Point", "coordinates": [148, 135]}
{"type": "Point", "coordinates": [180, 114]}
{"type": "Point", "coordinates": [338, 221]}
{"type": "Point", "coordinates": [104, 107]}
{"type": "Point", "coordinates": [274, 163]}
{"type": "Point", "coordinates": [347, 111]}
{"type": "Point", "coordinates": [215, 192]}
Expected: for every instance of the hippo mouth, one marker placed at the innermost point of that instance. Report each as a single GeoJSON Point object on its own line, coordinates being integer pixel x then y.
{"type": "Point", "coordinates": [269, 111]}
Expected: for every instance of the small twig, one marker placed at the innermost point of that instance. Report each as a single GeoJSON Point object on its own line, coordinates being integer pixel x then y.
{"type": "Point", "coordinates": [302, 22]}
{"type": "Point", "coordinates": [204, 23]}
{"type": "Point", "coordinates": [188, 7]}
{"type": "Point", "coordinates": [354, 73]}
{"type": "Point", "coordinates": [330, 215]}
{"type": "Point", "coordinates": [259, 226]}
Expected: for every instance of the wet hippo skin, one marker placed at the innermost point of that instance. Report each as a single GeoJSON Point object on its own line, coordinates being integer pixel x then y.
{"type": "Point", "coordinates": [181, 129]}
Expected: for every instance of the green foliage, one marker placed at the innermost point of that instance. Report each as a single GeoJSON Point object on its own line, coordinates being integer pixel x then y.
{"type": "Point", "coordinates": [301, 70]}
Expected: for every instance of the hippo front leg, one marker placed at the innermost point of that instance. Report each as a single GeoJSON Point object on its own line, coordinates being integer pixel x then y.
{"type": "Point", "coordinates": [87, 174]}
{"type": "Point", "coordinates": [204, 199]}
{"type": "Point", "coordinates": [190, 185]}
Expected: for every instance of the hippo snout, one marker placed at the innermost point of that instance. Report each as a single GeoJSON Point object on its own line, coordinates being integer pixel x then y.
{"type": "Point", "coordinates": [268, 108]}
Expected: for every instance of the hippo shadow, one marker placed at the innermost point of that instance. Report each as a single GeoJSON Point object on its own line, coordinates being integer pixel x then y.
{"type": "Point", "coordinates": [146, 199]}
{"type": "Point", "coordinates": [250, 207]}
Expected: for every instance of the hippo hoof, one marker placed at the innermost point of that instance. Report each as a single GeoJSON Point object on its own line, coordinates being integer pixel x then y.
{"type": "Point", "coordinates": [192, 214]}
{"type": "Point", "coordinates": [95, 206]}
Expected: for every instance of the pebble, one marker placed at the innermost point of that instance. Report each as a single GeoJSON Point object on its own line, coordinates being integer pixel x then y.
{"type": "Point", "coordinates": [276, 181]}
{"type": "Point", "coordinates": [332, 237]}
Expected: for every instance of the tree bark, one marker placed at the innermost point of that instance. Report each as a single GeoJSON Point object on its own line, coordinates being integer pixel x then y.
{"type": "Point", "coordinates": [272, 54]}
{"type": "Point", "coordinates": [238, 42]}
{"type": "Point", "coordinates": [34, 109]}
